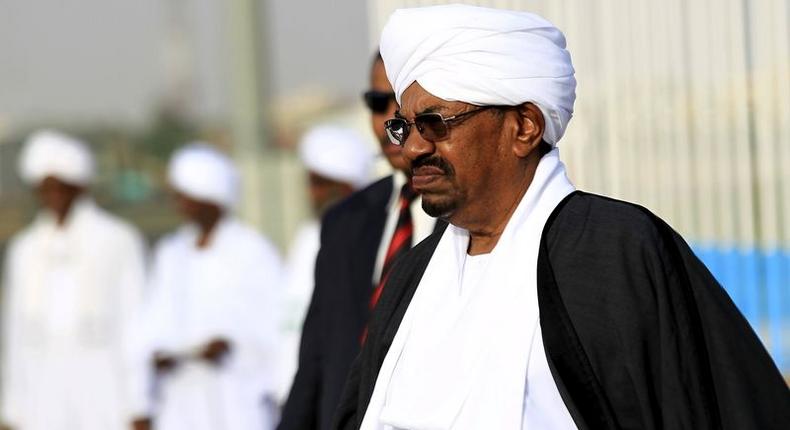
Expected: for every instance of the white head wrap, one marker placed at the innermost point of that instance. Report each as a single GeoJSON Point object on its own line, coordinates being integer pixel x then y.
{"type": "Point", "coordinates": [50, 153]}
{"type": "Point", "coordinates": [482, 56]}
{"type": "Point", "coordinates": [203, 173]}
{"type": "Point", "coordinates": [337, 153]}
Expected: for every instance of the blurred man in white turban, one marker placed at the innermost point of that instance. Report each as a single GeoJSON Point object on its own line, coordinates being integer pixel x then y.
{"type": "Point", "coordinates": [214, 308]}
{"type": "Point", "coordinates": [338, 162]}
{"type": "Point", "coordinates": [73, 282]}
{"type": "Point", "coordinates": [538, 307]}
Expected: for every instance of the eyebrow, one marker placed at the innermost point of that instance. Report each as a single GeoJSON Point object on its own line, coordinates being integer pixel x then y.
{"type": "Point", "coordinates": [432, 109]}
{"type": "Point", "coordinates": [429, 109]}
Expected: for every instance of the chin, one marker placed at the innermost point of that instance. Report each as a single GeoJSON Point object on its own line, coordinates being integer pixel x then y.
{"type": "Point", "coordinates": [438, 208]}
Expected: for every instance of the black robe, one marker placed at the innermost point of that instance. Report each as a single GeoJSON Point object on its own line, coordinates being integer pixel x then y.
{"type": "Point", "coordinates": [637, 332]}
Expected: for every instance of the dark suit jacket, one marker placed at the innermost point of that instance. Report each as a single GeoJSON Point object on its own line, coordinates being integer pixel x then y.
{"type": "Point", "coordinates": [638, 334]}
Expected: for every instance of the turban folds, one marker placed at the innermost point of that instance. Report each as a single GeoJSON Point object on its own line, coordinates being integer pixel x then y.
{"type": "Point", "coordinates": [482, 56]}
{"type": "Point", "coordinates": [337, 153]}
{"type": "Point", "coordinates": [50, 153]}
{"type": "Point", "coordinates": [203, 173]}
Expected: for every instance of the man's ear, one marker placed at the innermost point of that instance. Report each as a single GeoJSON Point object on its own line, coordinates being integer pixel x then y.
{"type": "Point", "coordinates": [530, 129]}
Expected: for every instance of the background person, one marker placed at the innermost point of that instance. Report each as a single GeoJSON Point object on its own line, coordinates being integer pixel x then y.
{"type": "Point", "coordinates": [338, 162]}
{"type": "Point", "coordinates": [73, 282]}
{"type": "Point", "coordinates": [214, 308]}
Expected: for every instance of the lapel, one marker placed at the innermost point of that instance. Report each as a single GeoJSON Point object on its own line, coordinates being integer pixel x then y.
{"type": "Point", "coordinates": [368, 223]}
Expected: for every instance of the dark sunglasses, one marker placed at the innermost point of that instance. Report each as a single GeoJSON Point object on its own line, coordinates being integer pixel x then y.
{"type": "Point", "coordinates": [431, 126]}
{"type": "Point", "coordinates": [378, 101]}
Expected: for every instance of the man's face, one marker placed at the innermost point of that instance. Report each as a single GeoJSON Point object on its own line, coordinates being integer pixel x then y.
{"type": "Point", "coordinates": [56, 195]}
{"type": "Point", "coordinates": [461, 176]}
{"type": "Point", "coordinates": [325, 191]}
{"type": "Point", "coordinates": [380, 83]}
{"type": "Point", "coordinates": [196, 210]}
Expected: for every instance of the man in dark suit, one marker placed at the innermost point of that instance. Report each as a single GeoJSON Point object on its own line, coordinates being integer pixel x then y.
{"type": "Point", "coordinates": [360, 239]}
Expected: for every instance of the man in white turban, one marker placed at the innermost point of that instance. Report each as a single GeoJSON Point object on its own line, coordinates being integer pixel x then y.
{"type": "Point", "coordinates": [72, 284]}
{"type": "Point", "coordinates": [539, 306]}
{"type": "Point", "coordinates": [338, 162]}
{"type": "Point", "coordinates": [213, 312]}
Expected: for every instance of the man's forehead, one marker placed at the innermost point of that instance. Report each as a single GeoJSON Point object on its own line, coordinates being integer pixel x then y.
{"type": "Point", "coordinates": [416, 100]}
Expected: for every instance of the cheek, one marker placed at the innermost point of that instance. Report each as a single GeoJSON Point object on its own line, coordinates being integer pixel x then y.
{"type": "Point", "coordinates": [377, 122]}
{"type": "Point", "coordinates": [477, 170]}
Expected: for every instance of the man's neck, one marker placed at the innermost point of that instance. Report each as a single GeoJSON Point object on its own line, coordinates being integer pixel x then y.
{"type": "Point", "coordinates": [484, 235]}
{"type": "Point", "coordinates": [62, 216]}
{"type": "Point", "coordinates": [483, 238]}
{"type": "Point", "coordinates": [206, 228]}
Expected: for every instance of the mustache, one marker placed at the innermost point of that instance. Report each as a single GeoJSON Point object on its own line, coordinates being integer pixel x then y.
{"type": "Point", "coordinates": [433, 161]}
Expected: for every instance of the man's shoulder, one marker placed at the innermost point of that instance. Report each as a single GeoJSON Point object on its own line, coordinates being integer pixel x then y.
{"type": "Point", "coordinates": [589, 215]}
{"type": "Point", "coordinates": [114, 226]}
{"type": "Point", "coordinates": [371, 198]}
{"type": "Point", "coordinates": [22, 239]}
{"type": "Point", "coordinates": [601, 246]}
{"type": "Point", "coordinates": [170, 242]}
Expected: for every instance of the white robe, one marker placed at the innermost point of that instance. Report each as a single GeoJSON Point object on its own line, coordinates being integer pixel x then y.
{"type": "Point", "coordinates": [299, 284]}
{"type": "Point", "coordinates": [71, 294]}
{"type": "Point", "coordinates": [229, 290]}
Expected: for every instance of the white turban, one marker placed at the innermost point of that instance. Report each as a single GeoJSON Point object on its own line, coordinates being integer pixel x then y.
{"type": "Point", "coordinates": [482, 56]}
{"type": "Point", "coordinates": [50, 153]}
{"type": "Point", "coordinates": [337, 153]}
{"type": "Point", "coordinates": [203, 173]}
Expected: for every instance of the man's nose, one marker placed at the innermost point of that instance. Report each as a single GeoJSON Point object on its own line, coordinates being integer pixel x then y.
{"type": "Point", "coordinates": [416, 146]}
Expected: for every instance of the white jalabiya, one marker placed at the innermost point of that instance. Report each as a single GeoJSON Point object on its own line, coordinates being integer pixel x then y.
{"type": "Point", "coordinates": [484, 57]}
{"type": "Point", "coordinates": [342, 155]}
{"type": "Point", "coordinates": [460, 357]}
{"type": "Point", "coordinates": [50, 153]}
{"type": "Point", "coordinates": [70, 360]}
{"type": "Point", "coordinates": [228, 289]}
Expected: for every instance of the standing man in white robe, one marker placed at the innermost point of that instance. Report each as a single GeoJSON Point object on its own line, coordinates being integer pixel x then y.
{"type": "Point", "coordinates": [338, 162]}
{"type": "Point", "coordinates": [72, 284]}
{"type": "Point", "coordinates": [213, 310]}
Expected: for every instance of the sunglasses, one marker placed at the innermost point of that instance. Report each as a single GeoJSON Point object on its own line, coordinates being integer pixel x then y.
{"type": "Point", "coordinates": [432, 126]}
{"type": "Point", "coordinates": [378, 101]}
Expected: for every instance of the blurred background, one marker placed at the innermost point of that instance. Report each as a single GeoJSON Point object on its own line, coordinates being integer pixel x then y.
{"type": "Point", "coordinates": [682, 106]}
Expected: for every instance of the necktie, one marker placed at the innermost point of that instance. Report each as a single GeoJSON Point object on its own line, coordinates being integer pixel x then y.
{"type": "Point", "coordinates": [400, 243]}
{"type": "Point", "coordinates": [401, 239]}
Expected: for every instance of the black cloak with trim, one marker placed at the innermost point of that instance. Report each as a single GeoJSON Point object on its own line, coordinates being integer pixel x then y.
{"type": "Point", "coordinates": [638, 334]}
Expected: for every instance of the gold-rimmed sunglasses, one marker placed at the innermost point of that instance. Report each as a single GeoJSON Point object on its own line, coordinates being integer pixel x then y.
{"type": "Point", "coordinates": [432, 126]}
